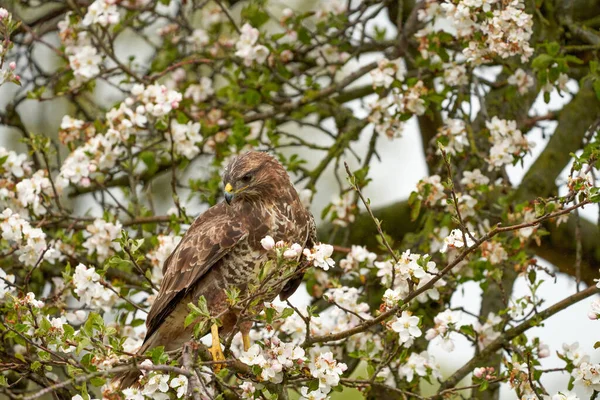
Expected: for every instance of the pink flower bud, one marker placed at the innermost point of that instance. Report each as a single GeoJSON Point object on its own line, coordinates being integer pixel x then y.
{"type": "Point", "coordinates": [592, 315]}
{"type": "Point", "coordinates": [3, 13]}
{"type": "Point", "coordinates": [267, 243]}
{"type": "Point", "coordinates": [478, 372]}
{"type": "Point", "coordinates": [12, 65]}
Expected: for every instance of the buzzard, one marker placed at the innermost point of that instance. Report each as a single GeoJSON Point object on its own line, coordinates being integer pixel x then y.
{"type": "Point", "coordinates": [222, 250]}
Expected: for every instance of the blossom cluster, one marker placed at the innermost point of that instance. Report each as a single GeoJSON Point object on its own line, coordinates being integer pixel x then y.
{"type": "Point", "coordinates": [445, 323]}
{"type": "Point", "coordinates": [412, 269]}
{"type": "Point", "coordinates": [158, 255]}
{"type": "Point", "coordinates": [508, 143]}
{"type": "Point", "coordinates": [100, 238]}
{"type": "Point", "coordinates": [391, 109]}
{"type": "Point", "coordinates": [103, 151]}
{"type": "Point", "coordinates": [29, 243]}
{"type": "Point", "coordinates": [274, 358]}
{"type": "Point", "coordinates": [487, 29]}
{"type": "Point", "coordinates": [247, 47]}
{"type": "Point", "coordinates": [157, 385]}
{"type": "Point", "coordinates": [88, 286]}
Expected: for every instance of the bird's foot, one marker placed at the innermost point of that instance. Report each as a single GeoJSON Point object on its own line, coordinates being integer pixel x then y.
{"type": "Point", "coordinates": [246, 340]}
{"type": "Point", "coordinates": [215, 349]}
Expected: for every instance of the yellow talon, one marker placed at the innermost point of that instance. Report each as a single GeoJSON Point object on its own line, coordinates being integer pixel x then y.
{"type": "Point", "coordinates": [215, 349]}
{"type": "Point", "coordinates": [246, 340]}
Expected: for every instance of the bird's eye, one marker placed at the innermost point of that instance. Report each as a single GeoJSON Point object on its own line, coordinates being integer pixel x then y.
{"type": "Point", "coordinates": [246, 178]}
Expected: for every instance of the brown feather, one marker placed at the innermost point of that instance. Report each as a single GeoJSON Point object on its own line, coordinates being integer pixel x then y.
{"type": "Point", "coordinates": [222, 249]}
{"type": "Point", "coordinates": [194, 256]}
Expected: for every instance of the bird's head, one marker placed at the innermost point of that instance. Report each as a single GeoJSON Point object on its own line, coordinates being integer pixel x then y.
{"type": "Point", "coordinates": [253, 175]}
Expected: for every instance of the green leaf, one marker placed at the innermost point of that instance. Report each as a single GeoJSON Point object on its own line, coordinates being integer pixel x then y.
{"type": "Point", "coordinates": [269, 314]}
{"type": "Point", "coordinates": [158, 355]}
{"type": "Point", "coordinates": [484, 386]}
{"type": "Point", "coordinates": [553, 48]}
{"type": "Point", "coordinates": [288, 312]}
{"type": "Point", "coordinates": [540, 209]}
{"type": "Point", "coordinates": [189, 320]}
{"type": "Point", "coordinates": [542, 61]}
{"type": "Point", "coordinates": [415, 210]}
{"type": "Point", "coordinates": [532, 275]}
{"type": "Point", "coordinates": [468, 330]}
{"type": "Point", "coordinates": [97, 381]}
{"type": "Point", "coordinates": [149, 158]}
{"type": "Point", "coordinates": [35, 366]}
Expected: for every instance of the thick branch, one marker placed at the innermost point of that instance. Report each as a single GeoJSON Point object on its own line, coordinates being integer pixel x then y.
{"type": "Point", "coordinates": [573, 122]}
{"type": "Point", "coordinates": [512, 333]}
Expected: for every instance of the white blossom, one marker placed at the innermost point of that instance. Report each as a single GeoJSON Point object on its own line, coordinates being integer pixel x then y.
{"type": "Point", "coordinates": [508, 142]}
{"type": "Point", "coordinates": [387, 72]}
{"type": "Point", "coordinates": [312, 395]}
{"type": "Point", "coordinates": [473, 179]}
{"type": "Point", "coordinates": [158, 382]}
{"type": "Point", "coordinates": [247, 49]}
{"type": "Point", "coordinates": [418, 364]}
{"type": "Point", "coordinates": [563, 395]}
{"type": "Point", "coordinates": [356, 256]}
{"type": "Point", "coordinates": [494, 252]}
{"type": "Point", "coordinates": [184, 138]}
{"type": "Point", "coordinates": [293, 251]}
{"type": "Point", "coordinates": [575, 354]}
{"type": "Point", "coordinates": [445, 322]}
{"type": "Point", "coordinates": [522, 80]}
{"type": "Point", "coordinates": [455, 75]}
{"type": "Point", "coordinates": [30, 191]}
{"type": "Point", "coordinates": [431, 190]}
{"type": "Point", "coordinates": [6, 281]}
{"type": "Point", "coordinates": [88, 287]}
{"type": "Point", "coordinates": [248, 390]}
{"type": "Point", "coordinates": [407, 326]}
{"type": "Point", "coordinates": [102, 12]}
{"type": "Point", "coordinates": [133, 393]}
{"type": "Point", "coordinates": [594, 312]}
{"type": "Point", "coordinates": [85, 62]}
{"type": "Point", "coordinates": [100, 236]}
{"type": "Point", "coordinates": [181, 384]}
{"type": "Point", "coordinates": [320, 256]}
{"type": "Point", "coordinates": [327, 370]}
{"type": "Point", "coordinates": [201, 91]}
{"type": "Point", "coordinates": [456, 133]}
{"type": "Point", "coordinates": [31, 300]}
{"type": "Point", "coordinates": [486, 332]}
{"type": "Point", "coordinates": [158, 256]}
{"type": "Point", "coordinates": [456, 240]}
{"type": "Point", "coordinates": [587, 376]}
{"type": "Point", "coordinates": [14, 163]}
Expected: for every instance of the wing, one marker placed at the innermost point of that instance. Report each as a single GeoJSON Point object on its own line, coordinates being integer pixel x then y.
{"type": "Point", "coordinates": [311, 239]}
{"type": "Point", "coordinates": [212, 235]}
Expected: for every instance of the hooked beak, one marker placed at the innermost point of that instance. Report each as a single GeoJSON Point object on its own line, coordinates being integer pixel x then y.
{"type": "Point", "coordinates": [228, 193]}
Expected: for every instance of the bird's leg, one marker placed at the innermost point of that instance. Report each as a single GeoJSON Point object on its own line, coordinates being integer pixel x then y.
{"type": "Point", "coordinates": [245, 330]}
{"type": "Point", "coordinates": [246, 339]}
{"type": "Point", "coordinates": [215, 349]}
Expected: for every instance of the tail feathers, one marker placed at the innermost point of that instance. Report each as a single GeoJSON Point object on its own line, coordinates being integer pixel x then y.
{"type": "Point", "coordinates": [130, 378]}
{"type": "Point", "coordinates": [127, 379]}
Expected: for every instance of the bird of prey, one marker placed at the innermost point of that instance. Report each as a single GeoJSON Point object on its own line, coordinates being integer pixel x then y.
{"type": "Point", "coordinates": [222, 250]}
